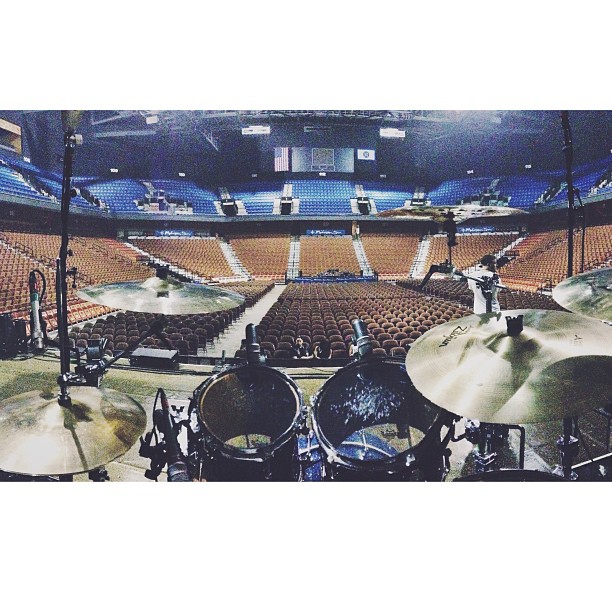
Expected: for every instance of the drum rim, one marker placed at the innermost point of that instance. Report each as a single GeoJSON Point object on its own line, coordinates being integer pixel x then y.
{"type": "Point", "coordinates": [397, 463]}
{"type": "Point", "coordinates": [260, 453]}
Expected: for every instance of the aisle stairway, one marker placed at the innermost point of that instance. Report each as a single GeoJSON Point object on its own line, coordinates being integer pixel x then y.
{"type": "Point", "coordinates": [418, 265]}
{"type": "Point", "coordinates": [364, 264]}
{"type": "Point", "coordinates": [232, 259]}
{"type": "Point", "coordinates": [293, 265]}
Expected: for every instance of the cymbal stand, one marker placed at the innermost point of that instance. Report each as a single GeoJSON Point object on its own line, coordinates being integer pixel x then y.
{"type": "Point", "coordinates": [487, 437]}
{"type": "Point", "coordinates": [568, 450]}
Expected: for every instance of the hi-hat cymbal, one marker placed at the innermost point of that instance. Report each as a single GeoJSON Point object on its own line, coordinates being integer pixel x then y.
{"type": "Point", "coordinates": [559, 366]}
{"type": "Point", "coordinates": [589, 293]}
{"type": "Point", "coordinates": [41, 438]}
{"type": "Point", "coordinates": [165, 296]}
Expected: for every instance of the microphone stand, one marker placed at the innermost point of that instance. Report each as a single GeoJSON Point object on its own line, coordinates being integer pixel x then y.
{"type": "Point", "coordinates": [583, 219]}
{"type": "Point", "coordinates": [569, 155]}
{"type": "Point", "coordinates": [61, 286]}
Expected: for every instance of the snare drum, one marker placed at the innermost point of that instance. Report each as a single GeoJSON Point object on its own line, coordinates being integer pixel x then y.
{"type": "Point", "coordinates": [248, 417]}
{"type": "Point", "coordinates": [374, 425]}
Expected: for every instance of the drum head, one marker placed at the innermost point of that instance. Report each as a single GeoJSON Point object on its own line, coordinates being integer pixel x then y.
{"type": "Point", "coordinates": [369, 412]}
{"type": "Point", "coordinates": [249, 410]}
{"type": "Point", "coordinates": [511, 476]}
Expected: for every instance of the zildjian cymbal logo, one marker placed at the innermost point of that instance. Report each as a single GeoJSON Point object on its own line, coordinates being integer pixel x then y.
{"type": "Point", "coordinates": [458, 331]}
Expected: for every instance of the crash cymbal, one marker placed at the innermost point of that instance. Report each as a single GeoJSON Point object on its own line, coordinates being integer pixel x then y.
{"type": "Point", "coordinates": [589, 293]}
{"type": "Point", "coordinates": [560, 365]}
{"type": "Point", "coordinates": [41, 438]}
{"type": "Point", "coordinates": [158, 295]}
{"type": "Point", "coordinates": [461, 213]}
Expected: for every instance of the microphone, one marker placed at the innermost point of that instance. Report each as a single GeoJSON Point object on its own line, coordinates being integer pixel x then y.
{"type": "Point", "coordinates": [71, 119]}
{"type": "Point", "coordinates": [361, 339]}
{"type": "Point", "coordinates": [35, 327]}
{"type": "Point", "coordinates": [253, 350]}
{"type": "Point", "coordinates": [177, 468]}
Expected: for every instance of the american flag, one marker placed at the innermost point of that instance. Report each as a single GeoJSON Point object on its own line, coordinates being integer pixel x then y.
{"type": "Point", "coordinates": [281, 159]}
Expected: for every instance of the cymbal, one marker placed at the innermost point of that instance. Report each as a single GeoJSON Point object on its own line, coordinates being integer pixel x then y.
{"type": "Point", "coordinates": [589, 293]}
{"type": "Point", "coordinates": [41, 438]}
{"type": "Point", "coordinates": [560, 365]}
{"type": "Point", "coordinates": [166, 296]}
{"type": "Point", "coordinates": [438, 213]}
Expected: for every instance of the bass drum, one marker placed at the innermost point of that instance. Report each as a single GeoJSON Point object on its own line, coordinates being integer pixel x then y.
{"type": "Point", "coordinates": [511, 476]}
{"type": "Point", "coordinates": [248, 419]}
{"type": "Point", "coordinates": [372, 424]}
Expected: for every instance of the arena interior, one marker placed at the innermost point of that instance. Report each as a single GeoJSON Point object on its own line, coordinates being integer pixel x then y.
{"type": "Point", "coordinates": [202, 244]}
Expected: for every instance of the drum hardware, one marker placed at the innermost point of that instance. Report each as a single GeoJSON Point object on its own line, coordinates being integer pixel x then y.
{"type": "Point", "coordinates": [162, 294]}
{"type": "Point", "coordinates": [92, 372]}
{"type": "Point", "coordinates": [169, 423]}
{"type": "Point", "coordinates": [568, 446]}
{"type": "Point", "coordinates": [606, 412]}
{"type": "Point", "coordinates": [309, 458]}
{"type": "Point", "coordinates": [488, 436]}
{"type": "Point", "coordinates": [568, 450]}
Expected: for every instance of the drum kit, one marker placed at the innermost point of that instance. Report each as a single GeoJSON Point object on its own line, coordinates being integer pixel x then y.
{"type": "Point", "coordinates": [375, 419]}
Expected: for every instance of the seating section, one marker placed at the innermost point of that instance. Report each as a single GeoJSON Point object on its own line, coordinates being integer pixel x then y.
{"type": "Point", "coordinates": [390, 255]}
{"type": "Point", "coordinates": [522, 191]}
{"type": "Point", "coordinates": [387, 196]}
{"type": "Point", "coordinates": [15, 267]}
{"type": "Point", "coordinates": [324, 197]}
{"type": "Point", "coordinates": [321, 253]}
{"type": "Point", "coordinates": [97, 260]}
{"type": "Point", "coordinates": [189, 334]}
{"type": "Point", "coordinates": [469, 250]}
{"type": "Point", "coordinates": [257, 196]}
{"type": "Point", "coordinates": [54, 187]}
{"type": "Point", "coordinates": [12, 183]}
{"type": "Point", "coordinates": [584, 177]}
{"type": "Point", "coordinates": [263, 255]}
{"type": "Point", "coordinates": [448, 193]}
{"type": "Point", "coordinates": [202, 199]}
{"type": "Point", "coordinates": [201, 256]}
{"type": "Point", "coordinates": [395, 317]}
{"type": "Point", "coordinates": [542, 259]}
{"type": "Point", "coordinates": [457, 291]}
{"type": "Point", "coordinates": [119, 194]}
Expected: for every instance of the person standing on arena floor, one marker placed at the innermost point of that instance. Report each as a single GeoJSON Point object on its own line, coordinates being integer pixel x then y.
{"type": "Point", "coordinates": [487, 269]}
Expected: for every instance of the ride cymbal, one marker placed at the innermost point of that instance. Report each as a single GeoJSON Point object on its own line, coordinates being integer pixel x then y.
{"type": "Point", "coordinates": [39, 437]}
{"type": "Point", "coordinates": [589, 294]}
{"type": "Point", "coordinates": [164, 296]}
{"type": "Point", "coordinates": [558, 366]}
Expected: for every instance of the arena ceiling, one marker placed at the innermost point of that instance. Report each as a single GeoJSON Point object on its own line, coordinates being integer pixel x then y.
{"type": "Point", "coordinates": [438, 144]}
